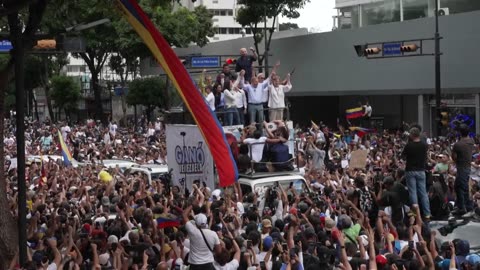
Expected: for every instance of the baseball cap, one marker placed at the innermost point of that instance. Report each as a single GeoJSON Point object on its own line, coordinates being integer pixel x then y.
{"type": "Point", "coordinates": [105, 201]}
{"type": "Point", "coordinates": [267, 243]}
{"type": "Point", "coordinates": [381, 260]}
{"type": "Point", "coordinates": [200, 220]}
{"type": "Point", "coordinates": [112, 239]}
{"type": "Point", "coordinates": [329, 224]}
{"type": "Point", "coordinates": [266, 223]}
{"type": "Point", "coordinates": [473, 259]}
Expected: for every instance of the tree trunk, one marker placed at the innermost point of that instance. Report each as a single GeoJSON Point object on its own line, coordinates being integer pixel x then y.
{"type": "Point", "coordinates": [49, 103]}
{"type": "Point", "coordinates": [97, 91]}
{"type": "Point", "coordinates": [148, 112]}
{"type": "Point", "coordinates": [35, 104]}
{"type": "Point", "coordinates": [8, 225]}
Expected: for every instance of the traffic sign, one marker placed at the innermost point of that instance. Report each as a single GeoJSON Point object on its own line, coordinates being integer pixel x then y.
{"type": "Point", "coordinates": [5, 46]}
{"type": "Point", "coordinates": [205, 62]}
{"type": "Point", "coordinates": [392, 49]}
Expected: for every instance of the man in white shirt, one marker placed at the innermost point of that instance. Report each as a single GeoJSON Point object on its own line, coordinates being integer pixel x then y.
{"type": "Point", "coordinates": [256, 145]}
{"type": "Point", "coordinates": [276, 99]}
{"type": "Point", "coordinates": [203, 242]}
{"type": "Point", "coordinates": [65, 130]}
{"type": "Point", "coordinates": [255, 92]}
{"type": "Point", "coordinates": [113, 128]}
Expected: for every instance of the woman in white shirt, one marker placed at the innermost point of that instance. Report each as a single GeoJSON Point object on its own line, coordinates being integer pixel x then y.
{"type": "Point", "coordinates": [276, 98]}
{"type": "Point", "coordinates": [210, 98]}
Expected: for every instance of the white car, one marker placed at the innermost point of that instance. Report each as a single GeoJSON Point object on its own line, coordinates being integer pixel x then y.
{"type": "Point", "coordinates": [260, 182]}
{"type": "Point", "coordinates": [122, 164]}
{"type": "Point", "coordinates": [153, 171]}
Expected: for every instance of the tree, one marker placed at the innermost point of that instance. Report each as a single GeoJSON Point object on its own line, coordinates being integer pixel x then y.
{"type": "Point", "coordinates": [180, 28]}
{"type": "Point", "coordinates": [150, 92]}
{"type": "Point", "coordinates": [22, 30]}
{"type": "Point", "coordinates": [65, 93]}
{"type": "Point", "coordinates": [287, 26]}
{"type": "Point", "coordinates": [255, 11]}
{"type": "Point", "coordinates": [39, 69]}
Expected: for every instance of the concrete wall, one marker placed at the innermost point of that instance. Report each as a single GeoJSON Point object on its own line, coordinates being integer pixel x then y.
{"type": "Point", "coordinates": [326, 63]}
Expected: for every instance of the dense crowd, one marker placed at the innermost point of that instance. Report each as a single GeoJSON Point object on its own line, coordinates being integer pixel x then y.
{"type": "Point", "coordinates": [374, 217]}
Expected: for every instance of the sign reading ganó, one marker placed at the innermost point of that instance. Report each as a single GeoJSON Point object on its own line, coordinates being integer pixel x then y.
{"type": "Point", "coordinates": [189, 160]}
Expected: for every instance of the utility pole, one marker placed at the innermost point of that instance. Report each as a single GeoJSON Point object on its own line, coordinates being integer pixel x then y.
{"type": "Point", "coordinates": [266, 43]}
{"type": "Point", "coordinates": [438, 82]}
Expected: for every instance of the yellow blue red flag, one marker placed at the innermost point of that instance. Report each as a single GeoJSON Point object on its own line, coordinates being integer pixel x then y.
{"type": "Point", "coordinates": [67, 156]}
{"type": "Point", "coordinates": [206, 120]}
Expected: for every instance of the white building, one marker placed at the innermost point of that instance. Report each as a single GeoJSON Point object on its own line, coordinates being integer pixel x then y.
{"type": "Point", "coordinates": [224, 13]}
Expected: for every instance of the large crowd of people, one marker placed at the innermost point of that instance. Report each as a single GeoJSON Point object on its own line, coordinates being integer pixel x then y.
{"type": "Point", "coordinates": [374, 217]}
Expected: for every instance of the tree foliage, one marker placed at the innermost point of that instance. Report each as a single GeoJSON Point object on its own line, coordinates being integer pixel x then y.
{"type": "Point", "coordinates": [254, 13]}
{"type": "Point", "coordinates": [66, 93]}
{"type": "Point", "coordinates": [287, 26]}
{"type": "Point", "coordinates": [150, 92]}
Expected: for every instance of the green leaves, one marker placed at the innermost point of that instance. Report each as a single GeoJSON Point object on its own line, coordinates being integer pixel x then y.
{"type": "Point", "coordinates": [150, 92]}
{"type": "Point", "coordinates": [65, 92]}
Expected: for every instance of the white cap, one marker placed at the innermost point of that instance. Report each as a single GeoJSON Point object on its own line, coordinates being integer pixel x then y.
{"type": "Point", "coordinates": [201, 220]}
{"type": "Point", "coordinates": [112, 239]}
{"type": "Point", "coordinates": [216, 193]}
{"type": "Point", "coordinates": [103, 259]}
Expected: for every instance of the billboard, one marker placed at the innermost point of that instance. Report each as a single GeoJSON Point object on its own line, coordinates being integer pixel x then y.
{"type": "Point", "coordinates": [188, 156]}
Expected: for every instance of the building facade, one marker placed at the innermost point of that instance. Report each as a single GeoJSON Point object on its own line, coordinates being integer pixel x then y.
{"type": "Point", "coordinates": [361, 13]}
{"type": "Point", "coordinates": [224, 13]}
{"type": "Point", "coordinates": [329, 76]}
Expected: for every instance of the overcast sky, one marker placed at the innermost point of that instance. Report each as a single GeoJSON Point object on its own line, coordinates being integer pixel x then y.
{"type": "Point", "coordinates": [317, 15]}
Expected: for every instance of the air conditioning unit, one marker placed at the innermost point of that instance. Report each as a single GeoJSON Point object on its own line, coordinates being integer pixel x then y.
{"type": "Point", "coordinates": [443, 12]}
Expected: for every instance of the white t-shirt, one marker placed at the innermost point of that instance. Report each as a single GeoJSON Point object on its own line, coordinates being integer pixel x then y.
{"type": "Point", "coordinates": [150, 132]}
{"type": "Point", "coordinates": [232, 265]}
{"type": "Point", "coordinates": [113, 129]}
{"type": "Point", "coordinates": [256, 149]}
{"type": "Point", "coordinates": [210, 99]}
{"type": "Point", "coordinates": [65, 131]}
{"type": "Point", "coordinates": [368, 110]}
{"type": "Point", "coordinates": [199, 251]}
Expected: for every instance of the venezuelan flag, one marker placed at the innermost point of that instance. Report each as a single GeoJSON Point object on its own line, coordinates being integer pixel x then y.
{"type": "Point", "coordinates": [167, 221]}
{"type": "Point", "coordinates": [67, 156]}
{"type": "Point", "coordinates": [207, 122]}
{"type": "Point", "coordinates": [354, 113]}
{"type": "Point", "coordinates": [361, 131]}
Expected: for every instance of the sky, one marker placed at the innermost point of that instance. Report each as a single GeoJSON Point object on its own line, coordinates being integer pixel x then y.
{"type": "Point", "coordinates": [316, 16]}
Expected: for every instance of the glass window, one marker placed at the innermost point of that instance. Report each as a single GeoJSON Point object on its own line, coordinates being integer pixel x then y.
{"type": "Point", "coordinates": [382, 12]}
{"type": "Point", "coordinates": [231, 31]}
{"type": "Point", "coordinates": [223, 12]}
{"type": "Point", "coordinates": [223, 30]}
{"type": "Point", "coordinates": [230, 12]}
{"type": "Point", "coordinates": [237, 31]}
{"type": "Point", "coordinates": [415, 9]}
{"type": "Point", "coordinates": [459, 6]}
{"type": "Point", "coordinates": [348, 18]}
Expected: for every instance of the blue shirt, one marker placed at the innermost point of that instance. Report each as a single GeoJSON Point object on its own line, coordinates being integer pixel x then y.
{"type": "Point", "coordinates": [255, 94]}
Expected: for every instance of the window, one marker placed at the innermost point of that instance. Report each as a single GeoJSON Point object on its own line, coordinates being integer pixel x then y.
{"type": "Point", "coordinates": [223, 30]}
{"type": "Point", "coordinates": [216, 30]}
{"type": "Point", "coordinates": [223, 12]}
{"type": "Point", "coordinates": [248, 31]}
{"type": "Point", "coordinates": [231, 31]}
{"type": "Point", "coordinates": [215, 1]}
{"type": "Point", "coordinates": [237, 31]}
{"type": "Point", "coordinates": [230, 12]}
{"type": "Point", "coordinates": [379, 13]}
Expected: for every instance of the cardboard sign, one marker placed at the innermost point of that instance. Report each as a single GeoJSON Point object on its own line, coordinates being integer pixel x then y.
{"type": "Point", "coordinates": [358, 159]}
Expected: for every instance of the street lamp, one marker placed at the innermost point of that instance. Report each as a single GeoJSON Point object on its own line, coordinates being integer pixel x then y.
{"type": "Point", "coordinates": [438, 82]}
